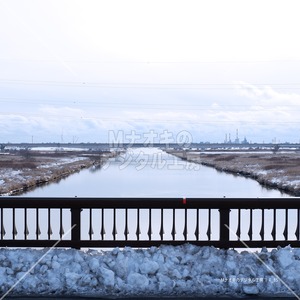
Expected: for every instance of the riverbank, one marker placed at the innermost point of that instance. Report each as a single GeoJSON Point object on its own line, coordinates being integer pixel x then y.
{"type": "Point", "coordinates": [24, 169]}
{"type": "Point", "coordinates": [280, 170]}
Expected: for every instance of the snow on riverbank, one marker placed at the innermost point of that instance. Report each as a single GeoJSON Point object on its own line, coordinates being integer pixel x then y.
{"type": "Point", "coordinates": [167, 270]}
{"type": "Point", "coordinates": [14, 181]}
{"type": "Point", "coordinates": [20, 171]}
{"type": "Point", "coordinates": [279, 170]}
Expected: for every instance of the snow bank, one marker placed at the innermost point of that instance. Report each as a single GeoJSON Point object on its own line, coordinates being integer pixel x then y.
{"type": "Point", "coordinates": [167, 270]}
{"type": "Point", "coordinates": [61, 162]}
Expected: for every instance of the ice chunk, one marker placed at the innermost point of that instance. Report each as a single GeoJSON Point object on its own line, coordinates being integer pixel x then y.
{"type": "Point", "coordinates": [250, 289]}
{"type": "Point", "coordinates": [149, 267]}
{"type": "Point", "coordinates": [285, 257]}
{"type": "Point", "coordinates": [138, 281]}
{"type": "Point", "coordinates": [94, 264]}
{"type": "Point", "coordinates": [107, 277]}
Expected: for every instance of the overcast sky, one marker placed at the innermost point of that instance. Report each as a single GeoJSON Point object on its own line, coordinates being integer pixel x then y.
{"type": "Point", "coordinates": [73, 70]}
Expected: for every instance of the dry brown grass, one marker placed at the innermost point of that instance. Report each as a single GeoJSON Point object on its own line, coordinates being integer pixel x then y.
{"type": "Point", "coordinates": [225, 157]}
{"type": "Point", "coordinates": [17, 165]}
{"type": "Point", "coordinates": [41, 167]}
{"type": "Point", "coordinates": [274, 167]}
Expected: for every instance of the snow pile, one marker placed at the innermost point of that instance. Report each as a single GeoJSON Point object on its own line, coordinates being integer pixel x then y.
{"type": "Point", "coordinates": [167, 270]}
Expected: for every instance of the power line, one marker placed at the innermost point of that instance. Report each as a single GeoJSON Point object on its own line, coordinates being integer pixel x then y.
{"type": "Point", "coordinates": [154, 86]}
{"type": "Point", "coordinates": [136, 106]}
{"type": "Point", "coordinates": [147, 83]}
{"type": "Point", "coordinates": [125, 119]}
{"type": "Point", "coordinates": [147, 62]}
{"type": "Point", "coordinates": [151, 106]}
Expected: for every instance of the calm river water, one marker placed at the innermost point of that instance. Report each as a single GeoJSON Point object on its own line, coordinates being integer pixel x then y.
{"type": "Point", "coordinates": [150, 172]}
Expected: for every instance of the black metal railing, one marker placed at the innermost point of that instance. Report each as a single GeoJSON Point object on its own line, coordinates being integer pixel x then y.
{"type": "Point", "coordinates": [145, 222]}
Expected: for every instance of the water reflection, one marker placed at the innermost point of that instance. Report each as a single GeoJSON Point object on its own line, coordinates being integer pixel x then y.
{"type": "Point", "coordinates": [154, 173]}
{"type": "Point", "coordinates": [96, 168]}
{"type": "Point", "coordinates": [149, 172]}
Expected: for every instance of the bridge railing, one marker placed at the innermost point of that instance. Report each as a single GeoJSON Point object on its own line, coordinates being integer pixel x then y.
{"type": "Point", "coordinates": [146, 222]}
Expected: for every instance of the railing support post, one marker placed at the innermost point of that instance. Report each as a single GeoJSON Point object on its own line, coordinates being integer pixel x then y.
{"type": "Point", "coordinates": [75, 224]}
{"type": "Point", "coordinates": [224, 222]}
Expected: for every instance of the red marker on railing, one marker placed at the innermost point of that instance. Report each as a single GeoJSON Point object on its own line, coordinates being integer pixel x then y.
{"type": "Point", "coordinates": [184, 201]}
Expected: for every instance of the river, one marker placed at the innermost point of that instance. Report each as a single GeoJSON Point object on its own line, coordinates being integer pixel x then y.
{"type": "Point", "coordinates": [150, 172]}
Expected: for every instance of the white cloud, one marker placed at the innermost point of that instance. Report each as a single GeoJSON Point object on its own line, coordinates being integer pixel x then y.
{"type": "Point", "coordinates": [267, 95]}
{"type": "Point", "coordinates": [85, 67]}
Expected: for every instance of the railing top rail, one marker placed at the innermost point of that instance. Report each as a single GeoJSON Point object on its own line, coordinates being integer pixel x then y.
{"type": "Point", "coordinates": [86, 202]}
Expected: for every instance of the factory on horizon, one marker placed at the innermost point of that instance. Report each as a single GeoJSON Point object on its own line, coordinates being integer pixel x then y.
{"type": "Point", "coordinates": [236, 140]}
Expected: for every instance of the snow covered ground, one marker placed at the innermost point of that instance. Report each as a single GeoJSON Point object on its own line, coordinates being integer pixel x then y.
{"type": "Point", "coordinates": [12, 180]}
{"type": "Point", "coordinates": [185, 270]}
{"type": "Point", "coordinates": [20, 171]}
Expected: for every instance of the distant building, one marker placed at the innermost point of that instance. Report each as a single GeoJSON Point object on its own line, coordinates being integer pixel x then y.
{"type": "Point", "coordinates": [237, 140]}
{"type": "Point", "coordinates": [244, 141]}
